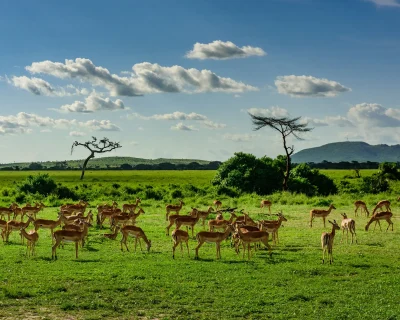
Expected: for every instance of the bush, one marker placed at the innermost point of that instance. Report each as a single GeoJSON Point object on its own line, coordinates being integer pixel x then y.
{"type": "Point", "coordinates": [226, 191]}
{"type": "Point", "coordinates": [176, 194]}
{"type": "Point", "coordinates": [42, 184]}
{"type": "Point", "coordinates": [374, 184]}
{"type": "Point", "coordinates": [63, 192]}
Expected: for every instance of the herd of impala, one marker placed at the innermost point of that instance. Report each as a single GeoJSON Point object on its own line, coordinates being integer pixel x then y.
{"type": "Point", "coordinates": [244, 230]}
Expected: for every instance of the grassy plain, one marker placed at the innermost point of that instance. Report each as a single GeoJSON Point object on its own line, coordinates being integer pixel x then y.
{"type": "Point", "coordinates": [104, 282]}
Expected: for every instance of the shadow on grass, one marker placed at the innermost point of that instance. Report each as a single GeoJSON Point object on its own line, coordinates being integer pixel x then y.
{"type": "Point", "coordinates": [360, 265]}
{"type": "Point", "coordinates": [86, 260]}
{"type": "Point", "coordinates": [45, 258]}
{"type": "Point", "coordinates": [374, 244]}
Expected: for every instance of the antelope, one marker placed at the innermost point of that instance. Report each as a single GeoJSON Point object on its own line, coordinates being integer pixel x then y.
{"type": "Point", "coordinates": [235, 237]}
{"type": "Point", "coordinates": [348, 225]}
{"type": "Point", "coordinates": [124, 218]}
{"type": "Point", "coordinates": [113, 235]}
{"type": "Point", "coordinates": [383, 215]}
{"type": "Point", "coordinates": [273, 227]}
{"type": "Point", "coordinates": [106, 207]}
{"type": "Point", "coordinates": [69, 236]}
{"type": "Point", "coordinates": [327, 241]}
{"type": "Point", "coordinates": [31, 238]}
{"type": "Point", "coordinates": [33, 210]}
{"type": "Point", "coordinates": [249, 221]}
{"type": "Point", "coordinates": [175, 208]}
{"type": "Point", "coordinates": [212, 237]}
{"type": "Point", "coordinates": [381, 204]}
{"type": "Point", "coordinates": [188, 221]}
{"type": "Point", "coordinates": [363, 207]}
{"type": "Point", "coordinates": [48, 224]}
{"type": "Point", "coordinates": [220, 224]}
{"type": "Point", "coordinates": [74, 208]}
{"type": "Point", "coordinates": [18, 212]}
{"type": "Point", "coordinates": [319, 213]}
{"type": "Point", "coordinates": [136, 232]}
{"type": "Point", "coordinates": [179, 236]}
{"type": "Point", "coordinates": [172, 219]}
{"type": "Point", "coordinates": [131, 207]}
{"type": "Point", "coordinates": [204, 214]}
{"type": "Point", "coordinates": [217, 203]}
{"type": "Point", "coordinates": [253, 237]}
{"type": "Point", "coordinates": [7, 211]}
{"type": "Point", "coordinates": [108, 213]}
{"type": "Point", "coordinates": [3, 227]}
{"type": "Point", "coordinates": [266, 203]}
{"type": "Point", "coordinates": [15, 225]}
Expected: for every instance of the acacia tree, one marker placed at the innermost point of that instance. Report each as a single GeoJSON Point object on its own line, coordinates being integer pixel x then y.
{"type": "Point", "coordinates": [286, 127]}
{"type": "Point", "coordinates": [102, 146]}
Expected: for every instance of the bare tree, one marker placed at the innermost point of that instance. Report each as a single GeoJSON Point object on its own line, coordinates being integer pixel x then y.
{"type": "Point", "coordinates": [286, 127]}
{"type": "Point", "coordinates": [102, 146]}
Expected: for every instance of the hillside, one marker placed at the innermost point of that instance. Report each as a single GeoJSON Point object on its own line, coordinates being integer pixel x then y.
{"type": "Point", "coordinates": [349, 151]}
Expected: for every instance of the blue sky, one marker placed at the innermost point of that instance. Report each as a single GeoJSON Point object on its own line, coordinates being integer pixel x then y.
{"type": "Point", "coordinates": [176, 78]}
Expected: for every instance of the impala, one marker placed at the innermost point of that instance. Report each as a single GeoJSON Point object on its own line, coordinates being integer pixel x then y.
{"type": "Point", "coordinates": [123, 219]}
{"type": "Point", "coordinates": [188, 221]}
{"type": "Point", "coordinates": [18, 212]}
{"type": "Point", "coordinates": [273, 226]}
{"type": "Point", "coordinates": [220, 224]}
{"type": "Point", "coordinates": [203, 215]}
{"type": "Point", "coordinates": [362, 206]}
{"type": "Point", "coordinates": [348, 224]}
{"type": "Point", "coordinates": [266, 203]}
{"type": "Point", "coordinates": [212, 237]}
{"type": "Point", "coordinates": [217, 203]}
{"type": "Point", "coordinates": [106, 207]}
{"type": "Point", "coordinates": [174, 208]}
{"type": "Point", "coordinates": [3, 227]}
{"type": "Point", "coordinates": [179, 236]}
{"type": "Point", "coordinates": [48, 224]}
{"type": "Point", "coordinates": [135, 232]}
{"type": "Point", "coordinates": [33, 210]}
{"type": "Point", "coordinates": [235, 241]}
{"type": "Point", "coordinates": [131, 207]}
{"type": "Point", "coordinates": [319, 213]}
{"type": "Point", "coordinates": [32, 237]}
{"type": "Point", "coordinates": [107, 213]}
{"type": "Point", "coordinates": [113, 235]}
{"type": "Point", "coordinates": [172, 219]}
{"type": "Point", "coordinates": [15, 225]}
{"type": "Point", "coordinates": [7, 211]}
{"type": "Point", "coordinates": [383, 215]}
{"type": "Point", "coordinates": [327, 241]}
{"type": "Point", "coordinates": [381, 204]}
{"type": "Point", "coordinates": [253, 237]}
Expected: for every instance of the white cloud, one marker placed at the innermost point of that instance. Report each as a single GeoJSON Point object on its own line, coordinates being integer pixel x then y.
{"type": "Point", "coordinates": [374, 115]}
{"type": "Point", "coordinates": [239, 137]}
{"type": "Point", "coordinates": [219, 50]}
{"type": "Point", "coordinates": [133, 143]}
{"type": "Point", "coordinates": [100, 125]}
{"type": "Point", "coordinates": [314, 122]}
{"type": "Point", "coordinates": [385, 3]}
{"type": "Point", "coordinates": [181, 126]}
{"type": "Point", "coordinates": [93, 103]}
{"type": "Point", "coordinates": [146, 78]}
{"type": "Point", "coordinates": [77, 134]}
{"type": "Point", "coordinates": [275, 112]}
{"type": "Point", "coordinates": [308, 86]}
{"type": "Point", "coordinates": [213, 125]}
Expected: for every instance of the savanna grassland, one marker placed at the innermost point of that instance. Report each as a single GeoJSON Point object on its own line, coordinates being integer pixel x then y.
{"type": "Point", "coordinates": [104, 282]}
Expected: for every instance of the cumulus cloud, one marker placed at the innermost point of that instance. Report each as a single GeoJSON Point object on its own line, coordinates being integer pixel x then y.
{"type": "Point", "coordinates": [23, 122]}
{"type": "Point", "coordinates": [219, 50]}
{"type": "Point", "coordinates": [308, 86]}
{"type": "Point", "coordinates": [213, 125]}
{"type": "Point", "coordinates": [339, 121]}
{"type": "Point", "coordinates": [146, 78]}
{"type": "Point", "coordinates": [374, 115]}
{"type": "Point", "coordinates": [77, 134]}
{"type": "Point", "coordinates": [275, 112]}
{"type": "Point", "coordinates": [181, 126]}
{"type": "Point", "coordinates": [93, 103]}
{"type": "Point", "coordinates": [239, 137]}
{"type": "Point", "coordinates": [385, 3]}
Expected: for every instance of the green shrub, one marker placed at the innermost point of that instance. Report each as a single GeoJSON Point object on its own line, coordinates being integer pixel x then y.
{"type": "Point", "coordinates": [176, 194]}
{"type": "Point", "coordinates": [374, 184]}
{"type": "Point", "coordinates": [42, 184]}
{"type": "Point", "coordinates": [226, 191]}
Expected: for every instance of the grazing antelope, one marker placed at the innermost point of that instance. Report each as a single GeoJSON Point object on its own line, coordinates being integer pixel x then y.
{"type": "Point", "coordinates": [362, 206]}
{"type": "Point", "coordinates": [247, 238]}
{"type": "Point", "coordinates": [188, 221]}
{"type": "Point", "coordinates": [266, 203]}
{"type": "Point", "coordinates": [212, 237]}
{"type": "Point", "coordinates": [220, 224]}
{"type": "Point", "coordinates": [31, 238]}
{"type": "Point", "coordinates": [273, 226]}
{"type": "Point", "coordinates": [204, 214]}
{"type": "Point", "coordinates": [319, 213]}
{"type": "Point", "coordinates": [327, 241]}
{"type": "Point", "coordinates": [383, 215]}
{"type": "Point", "coordinates": [15, 225]}
{"type": "Point", "coordinates": [217, 204]}
{"type": "Point", "coordinates": [179, 236]}
{"type": "Point", "coordinates": [135, 232]}
{"type": "Point", "coordinates": [381, 204]}
{"type": "Point", "coordinates": [131, 207]}
{"type": "Point", "coordinates": [174, 208]}
{"type": "Point", "coordinates": [348, 224]}
{"type": "Point", "coordinates": [113, 235]}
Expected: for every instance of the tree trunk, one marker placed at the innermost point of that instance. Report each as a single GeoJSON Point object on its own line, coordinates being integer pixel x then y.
{"type": "Point", "coordinates": [288, 165]}
{"type": "Point", "coordinates": [85, 164]}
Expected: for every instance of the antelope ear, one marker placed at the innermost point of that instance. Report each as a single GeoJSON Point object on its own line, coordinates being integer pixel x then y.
{"type": "Point", "coordinates": [330, 221]}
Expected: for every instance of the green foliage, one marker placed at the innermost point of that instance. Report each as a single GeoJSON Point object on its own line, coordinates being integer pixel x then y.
{"type": "Point", "coordinates": [176, 194]}
{"type": "Point", "coordinates": [388, 170]}
{"type": "Point", "coordinates": [374, 184]}
{"type": "Point", "coordinates": [42, 184]}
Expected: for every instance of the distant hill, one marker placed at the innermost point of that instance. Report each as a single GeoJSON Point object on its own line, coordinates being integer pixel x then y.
{"type": "Point", "coordinates": [111, 162]}
{"type": "Point", "coordinates": [349, 151]}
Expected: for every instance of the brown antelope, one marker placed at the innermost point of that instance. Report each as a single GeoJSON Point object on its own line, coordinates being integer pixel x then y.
{"type": "Point", "coordinates": [106, 207]}
{"type": "Point", "coordinates": [348, 224]}
{"type": "Point", "coordinates": [108, 213]}
{"type": "Point", "coordinates": [31, 238]}
{"type": "Point", "coordinates": [135, 232]}
{"type": "Point", "coordinates": [174, 208]}
{"type": "Point", "coordinates": [33, 210]}
{"type": "Point", "coordinates": [179, 236]}
{"type": "Point", "coordinates": [131, 207]}
{"type": "Point", "coordinates": [113, 235]}
{"type": "Point", "coordinates": [212, 237]}
{"type": "Point", "coordinates": [69, 236]}
{"type": "Point", "coordinates": [383, 215]}
{"type": "Point", "coordinates": [266, 203]}
{"type": "Point", "coordinates": [18, 212]}
{"type": "Point", "coordinates": [3, 227]}
{"type": "Point", "coordinates": [217, 204]}
{"type": "Point", "coordinates": [15, 225]}
{"type": "Point", "coordinates": [220, 224]}
{"type": "Point", "coordinates": [188, 221]}
{"type": "Point", "coordinates": [7, 211]}
{"type": "Point", "coordinates": [247, 238]}
{"type": "Point", "coordinates": [319, 213]}
{"type": "Point", "coordinates": [235, 241]}
{"type": "Point", "coordinates": [362, 206]}
{"type": "Point", "coordinates": [123, 219]}
{"type": "Point", "coordinates": [48, 224]}
{"type": "Point", "coordinates": [74, 208]}
{"type": "Point", "coordinates": [327, 241]}
{"type": "Point", "coordinates": [249, 221]}
{"type": "Point", "coordinates": [203, 215]}
{"type": "Point", "coordinates": [273, 227]}
{"type": "Point", "coordinates": [172, 219]}
{"type": "Point", "coordinates": [381, 204]}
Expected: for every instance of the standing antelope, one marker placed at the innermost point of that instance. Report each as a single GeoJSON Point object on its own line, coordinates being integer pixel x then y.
{"type": "Point", "coordinates": [250, 237]}
{"type": "Point", "coordinates": [327, 241]}
{"type": "Point", "coordinates": [319, 213]}
{"type": "Point", "coordinates": [188, 221]}
{"type": "Point", "coordinates": [175, 208]}
{"type": "Point", "coordinates": [383, 215]}
{"type": "Point", "coordinates": [273, 226]}
{"type": "Point", "coordinates": [48, 224]}
{"type": "Point", "coordinates": [381, 204]}
{"type": "Point", "coordinates": [220, 224]}
{"type": "Point", "coordinates": [204, 214]}
{"type": "Point", "coordinates": [15, 225]}
{"type": "Point", "coordinates": [179, 236]}
{"type": "Point", "coordinates": [135, 232]}
{"type": "Point", "coordinates": [363, 207]}
{"type": "Point", "coordinates": [113, 235]}
{"type": "Point", "coordinates": [131, 207]}
{"type": "Point", "coordinates": [7, 211]}
{"type": "Point", "coordinates": [217, 204]}
{"type": "Point", "coordinates": [348, 225]}
{"type": "Point", "coordinates": [31, 238]}
{"type": "Point", "coordinates": [266, 203]}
